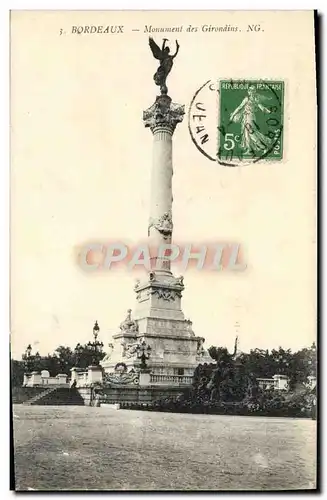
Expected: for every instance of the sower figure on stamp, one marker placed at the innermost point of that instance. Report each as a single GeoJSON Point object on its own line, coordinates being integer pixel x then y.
{"type": "Point", "coordinates": [166, 63]}
{"type": "Point", "coordinates": [252, 139]}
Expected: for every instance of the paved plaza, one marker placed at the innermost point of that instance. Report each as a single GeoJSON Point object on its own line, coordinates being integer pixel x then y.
{"type": "Point", "coordinates": [65, 448]}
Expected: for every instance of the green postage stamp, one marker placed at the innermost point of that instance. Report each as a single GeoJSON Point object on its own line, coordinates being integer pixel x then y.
{"type": "Point", "coordinates": [250, 123]}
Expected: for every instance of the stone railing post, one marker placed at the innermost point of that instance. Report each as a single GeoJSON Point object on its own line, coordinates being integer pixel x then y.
{"type": "Point", "coordinates": [36, 379]}
{"type": "Point", "coordinates": [26, 380]}
{"type": "Point", "coordinates": [94, 374]}
{"type": "Point", "coordinates": [145, 377]}
{"type": "Point", "coordinates": [73, 376]}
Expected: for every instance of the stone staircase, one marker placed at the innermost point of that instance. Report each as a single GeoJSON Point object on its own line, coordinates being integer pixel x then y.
{"type": "Point", "coordinates": [21, 394]}
{"type": "Point", "coordinates": [57, 396]}
{"type": "Point", "coordinates": [40, 396]}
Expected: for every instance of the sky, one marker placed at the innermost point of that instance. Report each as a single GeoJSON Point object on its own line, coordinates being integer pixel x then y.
{"type": "Point", "coordinates": [80, 172]}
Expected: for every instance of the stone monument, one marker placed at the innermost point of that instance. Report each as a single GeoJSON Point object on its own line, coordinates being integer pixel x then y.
{"type": "Point", "coordinates": [158, 324]}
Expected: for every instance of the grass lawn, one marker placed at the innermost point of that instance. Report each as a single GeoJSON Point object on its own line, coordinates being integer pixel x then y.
{"type": "Point", "coordinates": [74, 448]}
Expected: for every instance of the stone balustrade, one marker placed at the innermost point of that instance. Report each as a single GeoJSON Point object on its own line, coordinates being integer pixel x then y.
{"type": "Point", "coordinates": [80, 377]}
{"type": "Point", "coordinates": [171, 379]}
{"type": "Point", "coordinates": [43, 378]}
{"type": "Point", "coordinates": [85, 378]}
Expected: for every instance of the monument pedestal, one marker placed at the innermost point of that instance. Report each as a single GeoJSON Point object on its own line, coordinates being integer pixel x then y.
{"type": "Point", "coordinates": [158, 322]}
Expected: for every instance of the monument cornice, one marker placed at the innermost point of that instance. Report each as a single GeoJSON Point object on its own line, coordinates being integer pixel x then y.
{"type": "Point", "coordinates": [159, 285]}
{"type": "Point", "coordinates": [156, 283]}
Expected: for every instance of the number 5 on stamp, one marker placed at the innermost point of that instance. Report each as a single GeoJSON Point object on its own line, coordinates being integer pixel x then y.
{"type": "Point", "coordinates": [251, 121]}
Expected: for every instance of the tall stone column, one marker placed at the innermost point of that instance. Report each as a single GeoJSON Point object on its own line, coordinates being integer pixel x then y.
{"type": "Point", "coordinates": [162, 118]}
{"type": "Point", "coordinates": [160, 295]}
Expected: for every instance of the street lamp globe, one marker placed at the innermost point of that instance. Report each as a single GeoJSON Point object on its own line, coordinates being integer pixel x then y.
{"type": "Point", "coordinates": [96, 330]}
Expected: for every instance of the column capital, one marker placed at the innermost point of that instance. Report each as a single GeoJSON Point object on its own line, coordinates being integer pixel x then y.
{"type": "Point", "coordinates": [163, 115]}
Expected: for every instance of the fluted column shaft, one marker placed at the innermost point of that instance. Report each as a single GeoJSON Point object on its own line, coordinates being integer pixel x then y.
{"type": "Point", "coordinates": [161, 195]}
{"type": "Point", "coordinates": [162, 118]}
{"type": "Point", "coordinates": [161, 175]}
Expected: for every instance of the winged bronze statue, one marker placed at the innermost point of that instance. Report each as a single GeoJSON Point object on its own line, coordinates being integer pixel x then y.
{"type": "Point", "coordinates": [166, 62]}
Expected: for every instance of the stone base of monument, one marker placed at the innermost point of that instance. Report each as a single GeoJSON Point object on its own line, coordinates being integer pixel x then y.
{"type": "Point", "coordinates": [160, 329]}
{"type": "Point", "coordinates": [128, 395]}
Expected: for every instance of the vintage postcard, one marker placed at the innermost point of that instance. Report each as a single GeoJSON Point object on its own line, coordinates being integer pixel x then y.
{"type": "Point", "coordinates": [163, 250]}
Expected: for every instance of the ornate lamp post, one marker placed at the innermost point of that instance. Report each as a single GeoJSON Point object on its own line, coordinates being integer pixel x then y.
{"type": "Point", "coordinates": [143, 352]}
{"type": "Point", "coordinates": [28, 358]}
{"type": "Point", "coordinates": [78, 354]}
{"type": "Point", "coordinates": [312, 361]}
{"type": "Point", "coordinates": [95, 346]}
